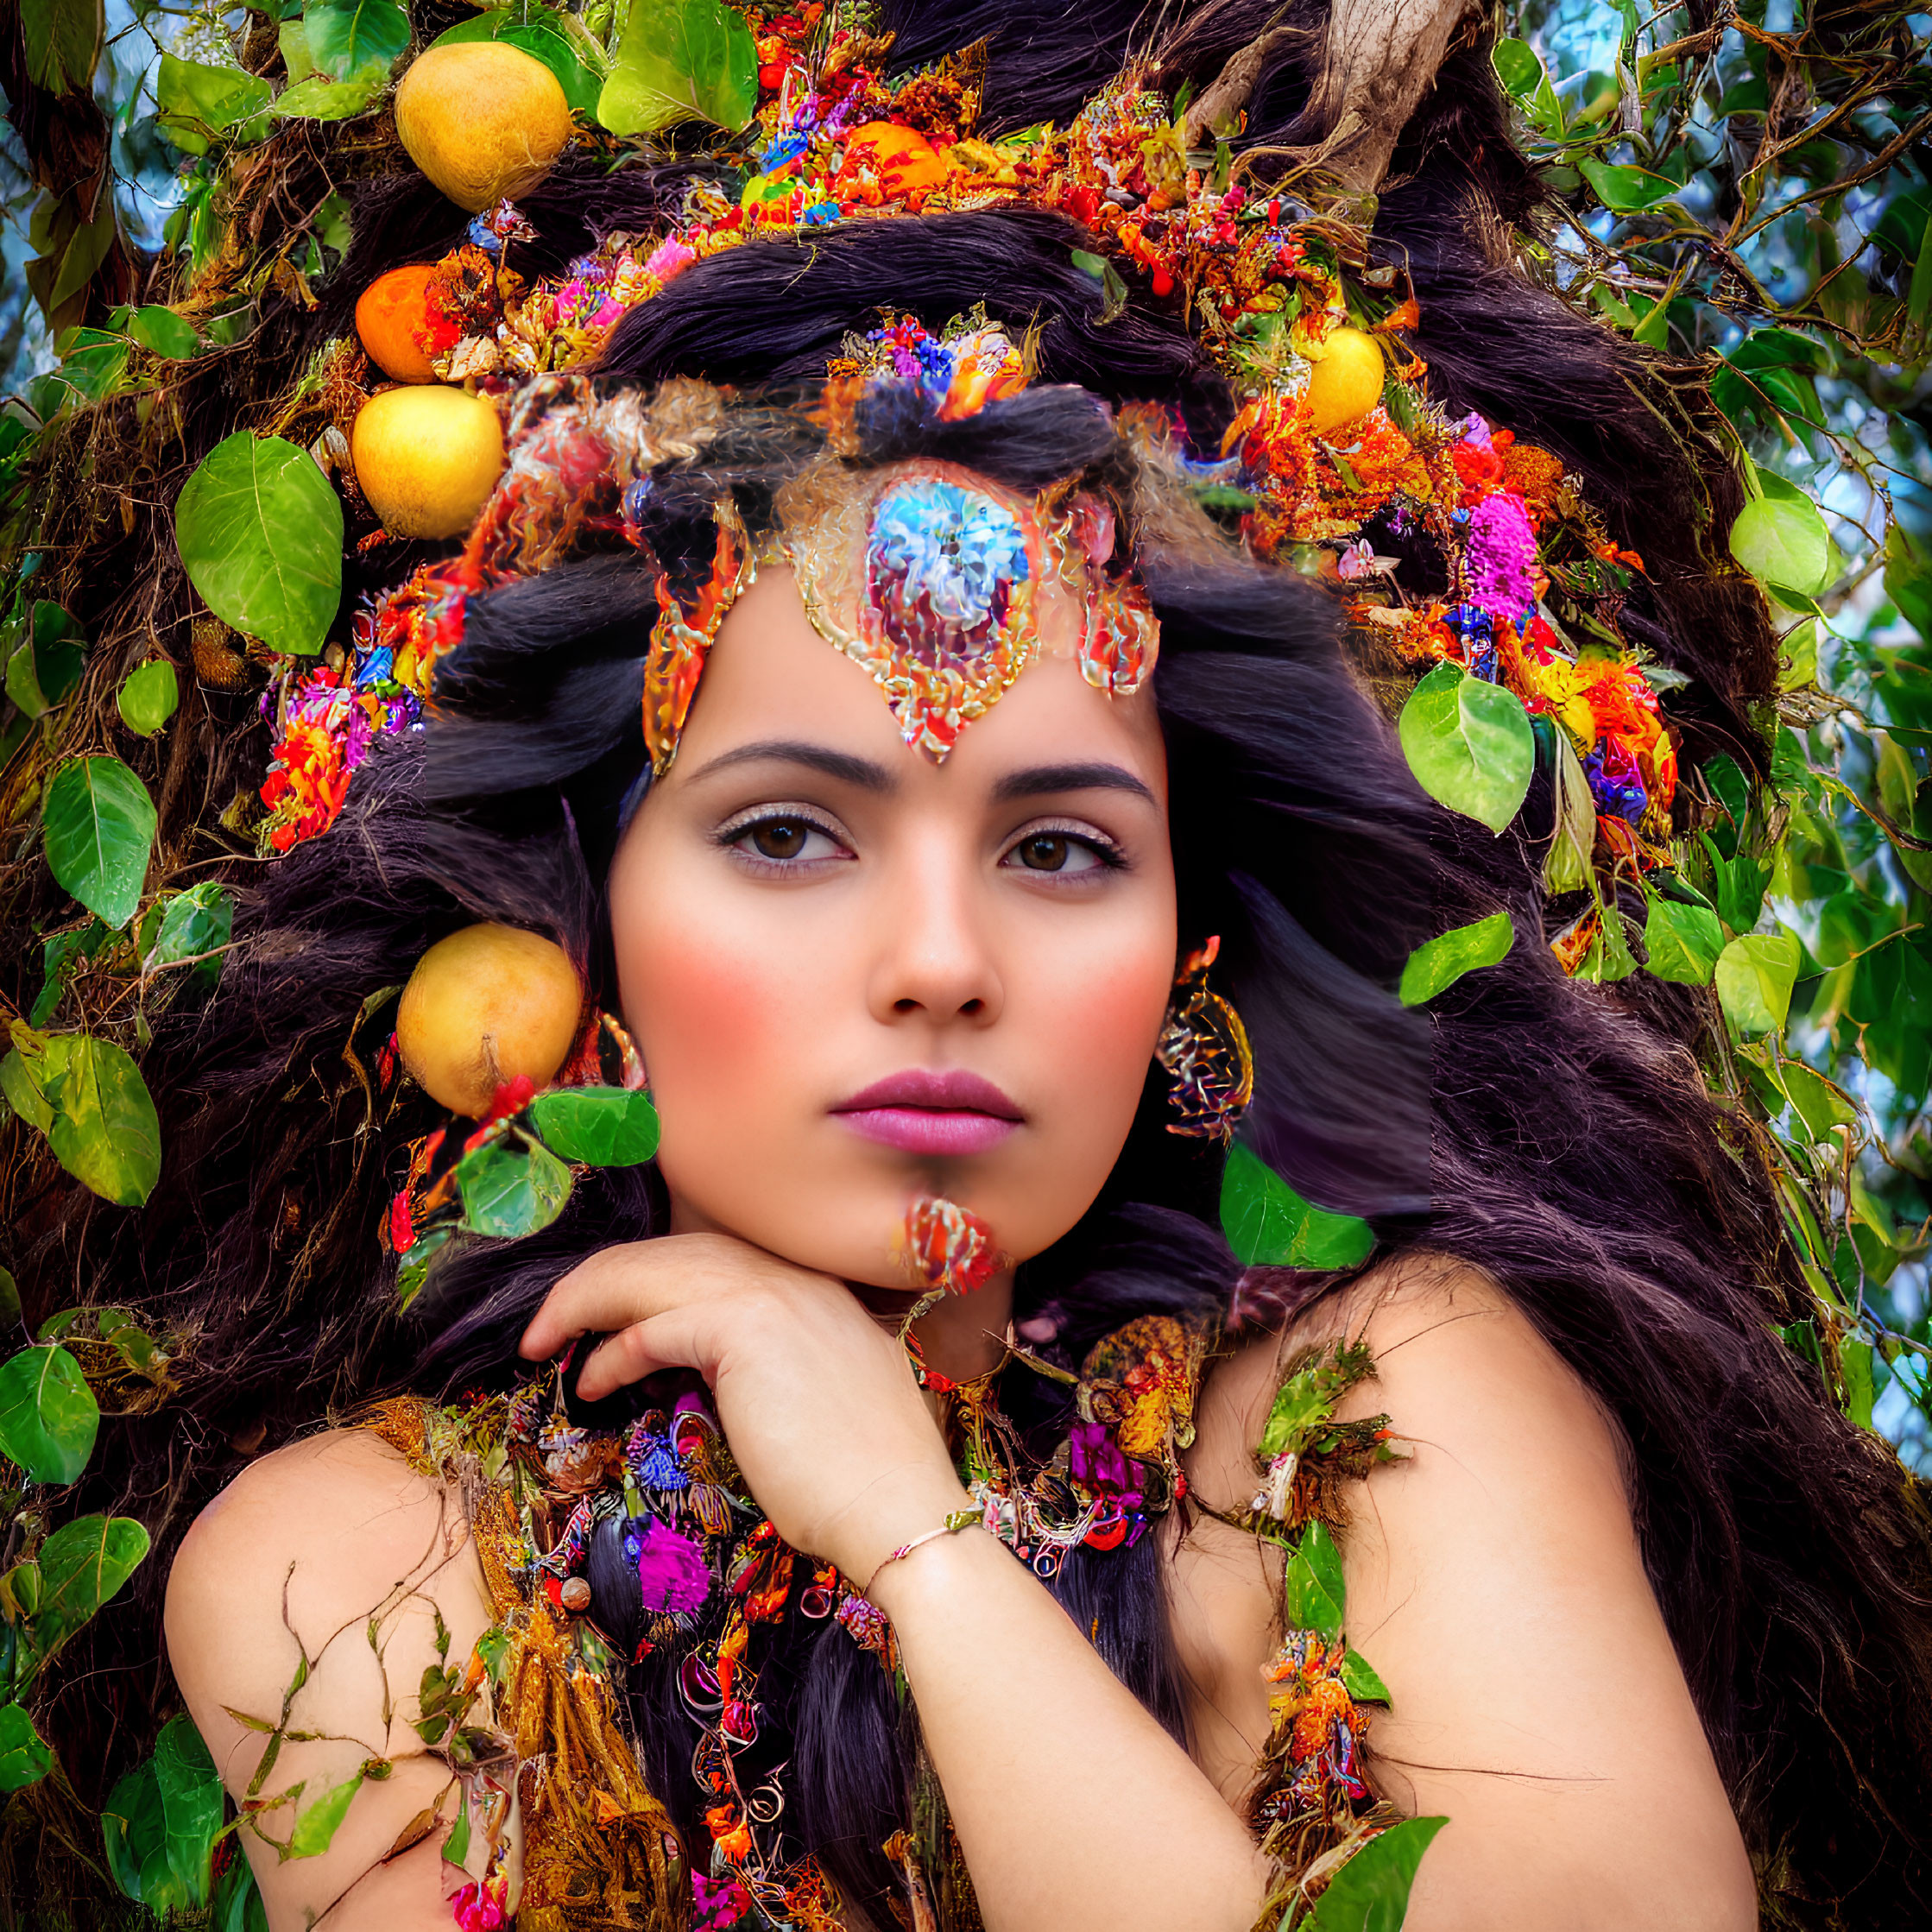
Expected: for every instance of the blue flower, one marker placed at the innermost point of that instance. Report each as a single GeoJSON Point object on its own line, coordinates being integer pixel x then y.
{"type": "Point", "coordinates": [959, 547]}
{"type": "Point", "coordinates": [787, 146]}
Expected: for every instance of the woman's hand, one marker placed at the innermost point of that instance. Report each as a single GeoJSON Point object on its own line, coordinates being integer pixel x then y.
{"type": "Point", "coordinates": [818, 1402]}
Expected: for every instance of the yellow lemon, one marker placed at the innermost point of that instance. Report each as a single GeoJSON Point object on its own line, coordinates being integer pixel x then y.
{"type": "Point", "coordinates": [481, 119]}
{"type": "Point", "coordinates": [1347, 383]}
{"type": "Point", "coordinates": [427, 457]}
{"type": "Point", "coordinates": [484, 1006]}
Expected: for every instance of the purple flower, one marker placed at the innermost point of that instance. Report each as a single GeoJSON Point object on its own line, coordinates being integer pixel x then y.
{"type": "Point", "coordinates": [1615, 782]}
{"type": "Point", "coordinates": [1097, 1463]}
{"type": "Point", "coordinates": [1501, 557]}
{"type": "Point", "coordinates": [671, 1570]}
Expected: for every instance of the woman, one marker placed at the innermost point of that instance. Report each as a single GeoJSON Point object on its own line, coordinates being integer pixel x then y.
{"type": "Point", "coordinates": [1637, 1600]}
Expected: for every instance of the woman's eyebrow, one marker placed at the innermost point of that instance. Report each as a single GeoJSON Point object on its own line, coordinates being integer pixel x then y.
{"type": "Point", "coordinates": [840, 765]}
{"type": "Point", "coordinates": [1037, 780]}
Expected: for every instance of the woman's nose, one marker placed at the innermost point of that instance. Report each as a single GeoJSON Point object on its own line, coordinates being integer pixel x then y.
{"type": "Point", "coordinates": [936, 955]}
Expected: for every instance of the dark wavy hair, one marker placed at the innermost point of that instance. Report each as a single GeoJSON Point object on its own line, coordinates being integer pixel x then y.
{"type": "Point", "coordinates": [1557, 1136]}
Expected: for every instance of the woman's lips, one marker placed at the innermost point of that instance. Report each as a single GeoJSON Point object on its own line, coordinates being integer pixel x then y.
{"type": "Point", "coordinates": [925, 1111]}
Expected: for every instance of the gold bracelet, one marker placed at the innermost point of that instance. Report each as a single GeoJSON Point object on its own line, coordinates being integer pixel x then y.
{"type": "Point", "coordinates": [960, 1519]}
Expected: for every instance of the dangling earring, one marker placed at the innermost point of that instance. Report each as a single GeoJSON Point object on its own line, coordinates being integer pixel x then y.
{"type": "Point", "coordinates": [1203, 1048]}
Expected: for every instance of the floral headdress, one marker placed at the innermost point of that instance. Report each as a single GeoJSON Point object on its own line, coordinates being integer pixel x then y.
{"type": "Point", "coordinates": [1531, 587]}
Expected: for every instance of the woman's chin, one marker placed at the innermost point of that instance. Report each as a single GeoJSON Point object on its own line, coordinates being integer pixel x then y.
{"type": "Point", "coordinates": [868, 1250]}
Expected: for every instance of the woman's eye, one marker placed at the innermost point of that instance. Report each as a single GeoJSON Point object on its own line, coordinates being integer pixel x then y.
{"type": "Point", "coordinates": [785, 841]}
{"type": "Point", "coordinates": [1056, 852]}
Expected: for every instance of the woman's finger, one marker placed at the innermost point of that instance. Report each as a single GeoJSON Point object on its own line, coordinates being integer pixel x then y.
{"type": "Point", "coordinates": [679, 1338]}
{"type": "Point", "coordinates": [616, 1285]}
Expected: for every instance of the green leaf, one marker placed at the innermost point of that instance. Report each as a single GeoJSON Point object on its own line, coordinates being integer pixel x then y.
{"type": "Point", "coordinates": [315, 1825]}
{"type": "Point", "coordinates": [62, 40]}
{"type": "Point", "coordinates": [1360, 1681]}
{"type": "Point", "coordinates": [166, 333]}
{"type": "Point", "coordinates": [1438, 963]}
{"type": "Point", "coordinates": [1907, 579]}
{"type": "Point", "coordinates": [1683, 941]}
{"type": "Point", "coordinates": [191, 1802]}
{"type": "Point", "coordinates": [346, 36]}
{"type": "Point", "coordinates": [197, 104]}
{"type": "Point", "coordinates": [292, 37]}
{"type": "Point", "coordinates": [1855, 1365]}
{"type": "Point", "coordinates": [1566, 865]}
{"type": "Point", "coordinates": [69, 248]}
{"type": "Point", "coordinates": [48, 1417]}
{"type": "Point", "coordinates": [149, 697]}
{"type": "Point", "coordinates": [259, 528]}
{"type": "Point", "coordinates": [24, 1759]}
{"type": "Point", "coordinates": [601, 1126]}
{"type": "Point", "coordinates": [1816, 1101]}
{"type": "Point", "coordinates": [320, 98]}
{"type": "Point", "coordinates": [1269, 1225]}
{"type": "Point", "coordinates": [1370, 1893]}
{"type": "Point", "coordinates": [237, 1901]}
{"type": "Point", "coordinates": [1918, 296]}
{"type": "Point", "coordinates": [194, 922]}
{"type": "Point", "coordinates": [1780, 538]}
{"type": "Point", "coordinates": [1312, 1592]}
{"type": "Point", "coordinates": [560, 41]}
{"type": "Point", "coordinates": [1469, 744]}
{"type": "Point", "coordinates": [1625, 190]}
{"type": "Point", "coordinates": [100, 827]}
{"type": "Point", "coordinates": [47, 663]}
{"type": "Point", "coordinates": [134, 1829]}
{"type": "Point", "coordinates": [456, 1846]}
{"type": "Point", "coordinates": [1755, 975]}
{"type": "Point", "coordinates": [681, 60]}
{"type": "Point", "coordinates": [82, 1565]}
{"type": "Point", "coordinates": [22, 1083]}
{"type": "Point", "coordinates": [104, 1130]}
{"type": "Point", "coordinates": [510, 1190]}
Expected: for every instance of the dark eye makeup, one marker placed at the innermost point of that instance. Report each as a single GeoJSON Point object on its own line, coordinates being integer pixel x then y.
{"type": "Point", "coordinates": [773, 838]}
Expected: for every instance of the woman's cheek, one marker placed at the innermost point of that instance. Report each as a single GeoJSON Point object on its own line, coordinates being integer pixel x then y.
{"type": "Point", "coordinates": [713, 1032]}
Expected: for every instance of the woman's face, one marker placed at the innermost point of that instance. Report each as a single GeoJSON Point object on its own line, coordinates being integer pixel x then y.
{"type": "Point", "coordinates": [858, 977]}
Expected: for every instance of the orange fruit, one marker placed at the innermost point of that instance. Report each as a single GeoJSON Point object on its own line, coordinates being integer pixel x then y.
{"type": "Point", "coordinates": [481, 119]}
{"type": "Point", "coordinates": [427, 457]}
{"type": "Point", "coordinates": [906, 163]}
{"type": "Point", "coordinates": [484, 1006]}
{"type": "Point", "coordinates": [398, 327]}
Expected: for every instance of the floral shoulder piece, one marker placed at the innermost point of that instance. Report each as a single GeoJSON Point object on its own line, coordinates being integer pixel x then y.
{"type": "Point", "coordinates": [1312, 1804]}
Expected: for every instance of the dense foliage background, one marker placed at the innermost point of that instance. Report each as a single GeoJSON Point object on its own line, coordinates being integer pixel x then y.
{"type": "Point", "coordinates": [1757, 192]}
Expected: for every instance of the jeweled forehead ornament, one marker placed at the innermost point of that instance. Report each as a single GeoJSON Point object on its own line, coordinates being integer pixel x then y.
{"type": "Point", "coordinates": [945, 588]}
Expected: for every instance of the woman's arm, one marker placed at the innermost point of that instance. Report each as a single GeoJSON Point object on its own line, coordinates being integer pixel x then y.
{"type": "Point", "coordinates": [1076, 1811]}
{"type": "Point", "coordinates": [311, 1541]}
{"type": "Point", "coordinates": [1495, 1583]}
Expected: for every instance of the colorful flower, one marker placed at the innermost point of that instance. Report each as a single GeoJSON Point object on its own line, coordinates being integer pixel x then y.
{"type": "Point", "coordinates": [671, 1570]}
{"type": "Point", "coordinates": [1500, 557]}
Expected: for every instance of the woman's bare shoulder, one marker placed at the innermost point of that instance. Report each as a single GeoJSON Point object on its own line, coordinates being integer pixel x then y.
{"type": "Point", "coordinates": [310, 1596]}
{"type": "Point", "coordinates": [1495, 1581]}
{"type": "Point", "coordinates": [344, 1490]}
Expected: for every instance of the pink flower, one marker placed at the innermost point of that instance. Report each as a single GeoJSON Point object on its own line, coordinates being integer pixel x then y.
{"type": "Point", "coordinates": [719, 1903]}
{"type": "Point", "coordinates": [670, 258]}
{"type": "Point", "coordinates": [479, 1908]}
{"type": "Point", "coordinates": [671, 1569]}
{"type": "Point", "coordinates": [1501, 557]}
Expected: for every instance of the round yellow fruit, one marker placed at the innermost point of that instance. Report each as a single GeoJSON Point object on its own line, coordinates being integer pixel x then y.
{"type": "Point", "coordinates": [484, 1006]}
{"type": "Point", "coordinates": [427, 457]}
{"type": "Point", "coordinates": [481, 119]}
{"type": "Point", "coordinates": [1347, 383]}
